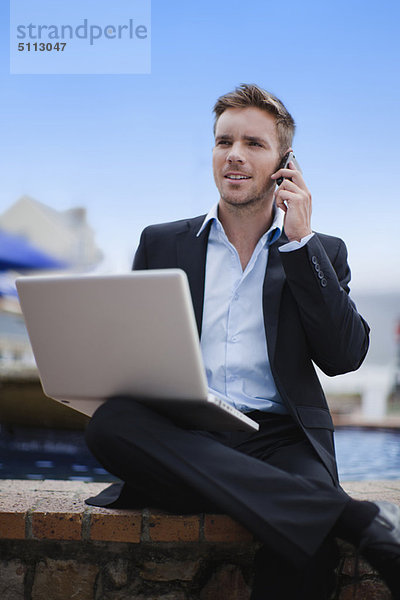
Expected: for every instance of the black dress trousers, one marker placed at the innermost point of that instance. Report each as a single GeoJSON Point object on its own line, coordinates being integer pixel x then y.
{"type": "Point", "coordinates": [271, 481]}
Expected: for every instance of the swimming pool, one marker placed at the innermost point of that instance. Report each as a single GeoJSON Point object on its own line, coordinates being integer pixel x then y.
{"type": "Point", "coordinates": [58, 454]}
{"type": "Point", "coordinates": [48, 454]}
{"type": "Point", "coordinates": [368, 454]}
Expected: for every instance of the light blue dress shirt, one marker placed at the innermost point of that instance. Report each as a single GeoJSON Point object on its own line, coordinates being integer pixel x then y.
{"type": "Point", "coordinates": [233, 341]}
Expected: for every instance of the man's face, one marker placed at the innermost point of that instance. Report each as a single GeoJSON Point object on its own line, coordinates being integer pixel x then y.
{"type": "Point", "coordinates": [245, 155]}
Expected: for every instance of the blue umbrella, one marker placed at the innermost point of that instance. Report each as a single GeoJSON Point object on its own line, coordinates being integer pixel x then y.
{"type": "Point", "coordinates": [17, 254]}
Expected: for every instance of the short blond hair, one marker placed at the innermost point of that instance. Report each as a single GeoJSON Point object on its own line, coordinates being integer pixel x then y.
{"type": "Point", "coordinates": [247, 95]}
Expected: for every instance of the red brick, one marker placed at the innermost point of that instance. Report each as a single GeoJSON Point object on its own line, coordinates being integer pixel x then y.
{"type": "Point", "coordinates": [57, 516]}
{"type": "Point", "coordinates": [13, 509]}
{"type": "Point", "coordinates": [121, 526]}
{"type": "Point", "coordinates": [221, 528]}
{"type": "Point", "coordinates": [174, 528]}
{"type": "Point", "coordinates": [57, 526]}
{"type": "Point", "coordinates": [12, 525]}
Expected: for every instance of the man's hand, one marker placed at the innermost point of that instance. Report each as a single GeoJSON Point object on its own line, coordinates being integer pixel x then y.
{"type": "Point", "coordinates": [295, 199]}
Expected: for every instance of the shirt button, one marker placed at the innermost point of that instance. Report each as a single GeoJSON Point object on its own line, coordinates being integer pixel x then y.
{"type": "Point", "coordinates": [236, 297]}
{"type": "Point", "coordinates": [234, 339]}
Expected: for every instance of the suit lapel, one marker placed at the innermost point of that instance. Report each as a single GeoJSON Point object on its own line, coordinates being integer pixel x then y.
{"type": "Point", "coordinates": [191, 257]}
{"type": "Point", "coordinates": [272, 290]}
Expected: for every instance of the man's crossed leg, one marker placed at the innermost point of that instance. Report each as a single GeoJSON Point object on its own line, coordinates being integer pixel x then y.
{"type": "Point", "coordinates": [271, 481]}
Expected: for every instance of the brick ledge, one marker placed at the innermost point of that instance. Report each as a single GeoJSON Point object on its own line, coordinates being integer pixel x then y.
{"type": "Point", "coordinates": [55, 510]}
{"type": "Point", "coordinates": [54, 546]}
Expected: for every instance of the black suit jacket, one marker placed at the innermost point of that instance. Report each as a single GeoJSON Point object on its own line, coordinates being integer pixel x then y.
{"type": "Point", "coordinates": [308, 315]}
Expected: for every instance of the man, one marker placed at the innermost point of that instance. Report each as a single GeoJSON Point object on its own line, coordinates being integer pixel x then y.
{"type": "Point", "coordinates": [270, 297]}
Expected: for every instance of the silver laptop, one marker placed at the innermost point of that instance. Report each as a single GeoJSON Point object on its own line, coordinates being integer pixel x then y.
{"type": "Point", "coordinates": [97, 336]}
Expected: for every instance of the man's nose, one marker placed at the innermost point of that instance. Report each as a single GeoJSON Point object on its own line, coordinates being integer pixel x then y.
{"type": "Point", "coordinates": [235, 154]}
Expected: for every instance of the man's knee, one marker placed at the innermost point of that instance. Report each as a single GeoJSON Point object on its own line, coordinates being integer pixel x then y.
{"type": "Point", "coordinates": [96, 431]}
{"type": "Point", "coordinates": [114, 416]}
{"type": "Point", "coordinates": [102, 427]}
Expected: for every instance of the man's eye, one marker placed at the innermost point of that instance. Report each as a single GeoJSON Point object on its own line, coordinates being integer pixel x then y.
{"type": "Point", "coordinates": [254, 144]}
{"type": "Point", "coordinates": [222, 142]}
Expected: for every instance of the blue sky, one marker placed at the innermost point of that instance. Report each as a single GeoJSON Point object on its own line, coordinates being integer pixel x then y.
{"type": "Point", "coordinates": [136, 149]}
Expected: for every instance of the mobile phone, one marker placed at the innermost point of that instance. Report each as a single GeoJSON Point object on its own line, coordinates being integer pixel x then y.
{"type": "Point", "coordinates": [284, 163]}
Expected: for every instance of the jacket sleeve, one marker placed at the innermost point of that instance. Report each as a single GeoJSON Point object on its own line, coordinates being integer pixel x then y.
{"type": "Point", "coordinates": [337, 335]}
{"type": "Point", "coordinates": [140, 259]}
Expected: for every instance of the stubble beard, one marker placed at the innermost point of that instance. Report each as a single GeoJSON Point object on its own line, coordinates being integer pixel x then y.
{"type": "Point", "coordinates": [249, 204]}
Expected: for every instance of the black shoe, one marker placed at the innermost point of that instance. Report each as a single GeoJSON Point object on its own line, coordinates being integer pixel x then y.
{"type": "Point", "coordinates": [380, 545]}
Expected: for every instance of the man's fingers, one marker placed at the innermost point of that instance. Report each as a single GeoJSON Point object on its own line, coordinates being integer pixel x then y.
{"type": "Point", "coordinates": [288, 185]}
{"type": "Point", "coordinates": [293, 197]}
{"type": "Point", "coordinates": [287, 174]}
{"type": "Point", "coordinates": [289, 189]}
{"type": "Point", "coordinates": [291, 174]}
{"type": "Point", "coordinates": [279, 202]}
{"type": "Point", "coordinates": [287, 195]}
{"type": "Point", "coordinates": [289, 168]}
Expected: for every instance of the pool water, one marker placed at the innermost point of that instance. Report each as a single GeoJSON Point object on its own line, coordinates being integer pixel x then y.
{"type": "Point", "coordinates": [368, 454]}
{"type": "Point", "coordinates": [56, 454]}
{"type": "Point", "coordinates": [48, 454]}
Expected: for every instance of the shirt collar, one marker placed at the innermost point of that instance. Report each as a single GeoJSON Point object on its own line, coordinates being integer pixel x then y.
{"type": "Point", "coordinates": [273, 233]}
{"type": "Point", "coordinates": [212, 215]}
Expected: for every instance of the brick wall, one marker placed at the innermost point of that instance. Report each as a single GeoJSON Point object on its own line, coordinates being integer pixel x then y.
{"type": "Point", "coordinates": [54, 547]}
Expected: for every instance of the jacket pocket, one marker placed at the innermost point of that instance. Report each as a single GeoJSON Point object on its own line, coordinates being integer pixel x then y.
{"type": "Point", "coordinates": [315, 418]}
